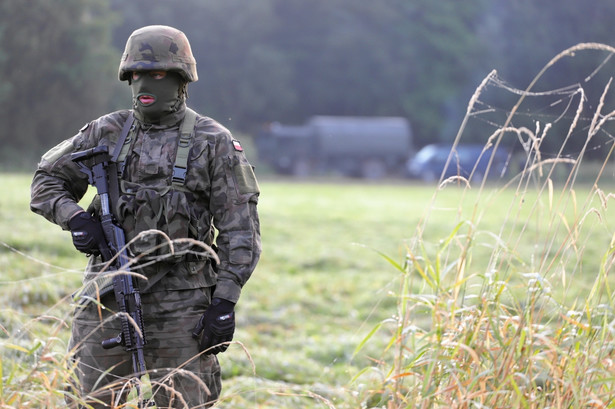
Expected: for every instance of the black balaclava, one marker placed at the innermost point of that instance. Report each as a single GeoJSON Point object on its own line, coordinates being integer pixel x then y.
{"type": "Point", "coordinates": [169, 98]}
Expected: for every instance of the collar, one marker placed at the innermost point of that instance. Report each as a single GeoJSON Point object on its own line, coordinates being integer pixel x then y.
{"type": "Point", "coordinates": [165, 121]}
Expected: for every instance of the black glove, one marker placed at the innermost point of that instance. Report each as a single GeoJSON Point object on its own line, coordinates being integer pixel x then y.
{"type": "Point", "coordinates": [87, 233]}
{"type": "Point", "coordinates": [216, 326]}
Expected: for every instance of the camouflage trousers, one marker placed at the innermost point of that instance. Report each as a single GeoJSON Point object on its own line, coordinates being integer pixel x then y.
{"type": "Point", "coordinates": [181, 378]}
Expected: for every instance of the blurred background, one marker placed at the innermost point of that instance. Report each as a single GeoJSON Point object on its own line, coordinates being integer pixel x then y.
{"type": "Point", "coordinates": [267, 65]}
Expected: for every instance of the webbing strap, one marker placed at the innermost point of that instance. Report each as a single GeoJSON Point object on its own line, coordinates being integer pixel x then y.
{"type": "Point", "coordinates": [119, 155]}
{"type": "Point", "coordinates": [183, 148]}
{"type": "Point", "coordinates": [121, 146]}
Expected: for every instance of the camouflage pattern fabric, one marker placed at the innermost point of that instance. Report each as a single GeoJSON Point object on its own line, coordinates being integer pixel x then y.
{"type": "Point", "coordinates": [161, 48]}
{"type": "Point", "coordinates": [182, 378]}
{"type": "Point", "coordinates": [220, 191]}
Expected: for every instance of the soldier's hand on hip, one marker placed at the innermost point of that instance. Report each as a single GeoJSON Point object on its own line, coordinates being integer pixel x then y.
{"type": "Point", "coordinates": [215, 329]}
{"type": "Point", "coordinates": [87, 233]}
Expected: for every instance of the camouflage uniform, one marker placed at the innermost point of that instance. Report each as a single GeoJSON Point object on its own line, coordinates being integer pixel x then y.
{"type": "Point", "coordinates": [219, 191]}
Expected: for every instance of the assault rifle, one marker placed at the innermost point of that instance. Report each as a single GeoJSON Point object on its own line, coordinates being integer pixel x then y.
{"type": "Point", "coordinates": [104, 176]}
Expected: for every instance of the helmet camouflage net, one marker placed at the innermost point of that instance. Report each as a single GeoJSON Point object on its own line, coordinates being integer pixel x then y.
{"type": "Point", "coordinates": [161, 48]}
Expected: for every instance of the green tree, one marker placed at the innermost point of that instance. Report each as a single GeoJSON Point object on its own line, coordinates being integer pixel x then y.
{"type": "Point", "coordinates": [525, 35]}
{"type": "Point", "coordinates": [446, 61]}
{"type": "Point", "coordinates": [56, 66]}
{"type": "Point", "coordinates": [243, 76]}
{"type": "Point", "coordinates": [286, 60]}
{"type": "Point", "coordinates": [391, 57]}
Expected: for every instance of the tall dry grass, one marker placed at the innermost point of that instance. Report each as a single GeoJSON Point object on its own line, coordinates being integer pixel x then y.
{"type": "Point", "coordinates": [508, 318]}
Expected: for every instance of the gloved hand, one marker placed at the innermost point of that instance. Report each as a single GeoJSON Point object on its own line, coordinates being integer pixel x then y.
{"type": "Point", "coordinates": [216, 326]}
{"type": "Point", "coordinates": [87, 233]}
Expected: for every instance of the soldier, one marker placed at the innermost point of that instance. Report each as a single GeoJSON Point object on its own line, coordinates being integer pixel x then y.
{"type": "Point", "coordinates": [185, 189]}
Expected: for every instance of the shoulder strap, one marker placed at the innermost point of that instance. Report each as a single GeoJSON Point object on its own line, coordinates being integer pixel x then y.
{"type": "Point", "coordinates": [121, 146]}
{"type": "Point", "coordinates": [117, 160]}
{"type": "Point", "coordinates": [183, 148]}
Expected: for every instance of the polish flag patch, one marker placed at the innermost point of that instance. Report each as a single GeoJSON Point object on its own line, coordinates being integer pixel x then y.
{"type": "Point", "coordinates": [237, 145]}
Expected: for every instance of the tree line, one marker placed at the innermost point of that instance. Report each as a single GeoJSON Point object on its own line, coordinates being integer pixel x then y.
{"type": "Point", "coordinates": [286, 60]}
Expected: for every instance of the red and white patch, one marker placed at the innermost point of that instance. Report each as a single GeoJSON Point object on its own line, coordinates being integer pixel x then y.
{"type": "Point", "coordinates": [237, 145]}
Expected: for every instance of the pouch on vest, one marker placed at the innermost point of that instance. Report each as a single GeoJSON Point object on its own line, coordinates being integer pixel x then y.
{"type": "Point", "coordinates": [177, 219]}
{"type": "Point", "coordinates": [165, 212]}
{"type": "Point", "coordinates": [139, 210]}
{"type": "Point", "coordinates": [148, 211]}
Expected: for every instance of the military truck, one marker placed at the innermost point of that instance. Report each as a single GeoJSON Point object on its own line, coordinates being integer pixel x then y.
{"type": "Point", "coordinates": [368, 147]}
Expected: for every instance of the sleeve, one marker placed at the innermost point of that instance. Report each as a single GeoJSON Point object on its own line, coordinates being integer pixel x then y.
{"type": "Point", "coordinates": [233, 204]}
{"type": "Point", "coordinates": [58, 184]}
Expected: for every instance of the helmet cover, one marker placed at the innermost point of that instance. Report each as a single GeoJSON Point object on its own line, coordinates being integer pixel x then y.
{"type": "Point", "coordinates": [158, 48]}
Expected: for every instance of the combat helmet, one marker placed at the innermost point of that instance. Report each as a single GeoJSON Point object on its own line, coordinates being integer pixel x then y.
{"type": "Point", "coordinates": [161, 48]}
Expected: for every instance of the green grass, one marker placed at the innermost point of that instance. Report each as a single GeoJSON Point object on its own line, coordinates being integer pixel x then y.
{"type": "Point", "coordinates": [360, 299]}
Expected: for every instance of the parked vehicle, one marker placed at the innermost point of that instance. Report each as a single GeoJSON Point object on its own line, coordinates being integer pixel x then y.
{"type": "Point", "coordinates": [369, 147]}
{"type": "Point", "coordinates": [430, 163]}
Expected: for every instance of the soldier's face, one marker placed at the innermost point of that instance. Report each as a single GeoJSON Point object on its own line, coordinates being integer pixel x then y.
{"type": "Point", "coordinates": [147, 99]}
{"type": "Point", "coordinates": [155, 93]}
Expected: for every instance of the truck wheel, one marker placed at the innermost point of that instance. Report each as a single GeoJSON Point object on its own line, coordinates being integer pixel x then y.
{"type": "Point", "coordinates": [373, 169]}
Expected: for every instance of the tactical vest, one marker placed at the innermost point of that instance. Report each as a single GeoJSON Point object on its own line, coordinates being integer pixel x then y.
{"type": "Point", "coordinates": [160, 221]}
{"type": "Point", "coordinates": [180, 167]}
{"type": "Point", "coordinates": [162, 224]}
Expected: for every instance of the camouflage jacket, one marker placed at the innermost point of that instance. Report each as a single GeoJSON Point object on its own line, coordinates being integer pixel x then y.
{"type": "Point", "coordinates": [220, 191]}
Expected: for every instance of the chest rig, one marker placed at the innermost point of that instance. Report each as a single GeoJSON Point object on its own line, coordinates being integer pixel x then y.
{"type": "Point", "coordinates": [156, 217]}
{"type": "Point", "coordinates": [180, 167]}
{"type": "Point", "coordinates": [197, 272]}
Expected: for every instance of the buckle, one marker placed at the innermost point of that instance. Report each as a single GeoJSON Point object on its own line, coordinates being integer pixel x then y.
{"type": "Point", "coordinates": [179, 174]}
{"type": "Point", "coordinates": [184, 142]}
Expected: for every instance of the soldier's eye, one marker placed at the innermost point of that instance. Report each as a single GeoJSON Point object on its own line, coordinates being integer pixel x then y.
{"type": "Point", "coordinates": [136, 75]}
{"type": "Point", "coordinates": [157, 75]}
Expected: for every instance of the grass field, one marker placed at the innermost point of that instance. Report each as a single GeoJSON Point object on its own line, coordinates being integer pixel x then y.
{"type": "Point", "coordinates": [383, 295]}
